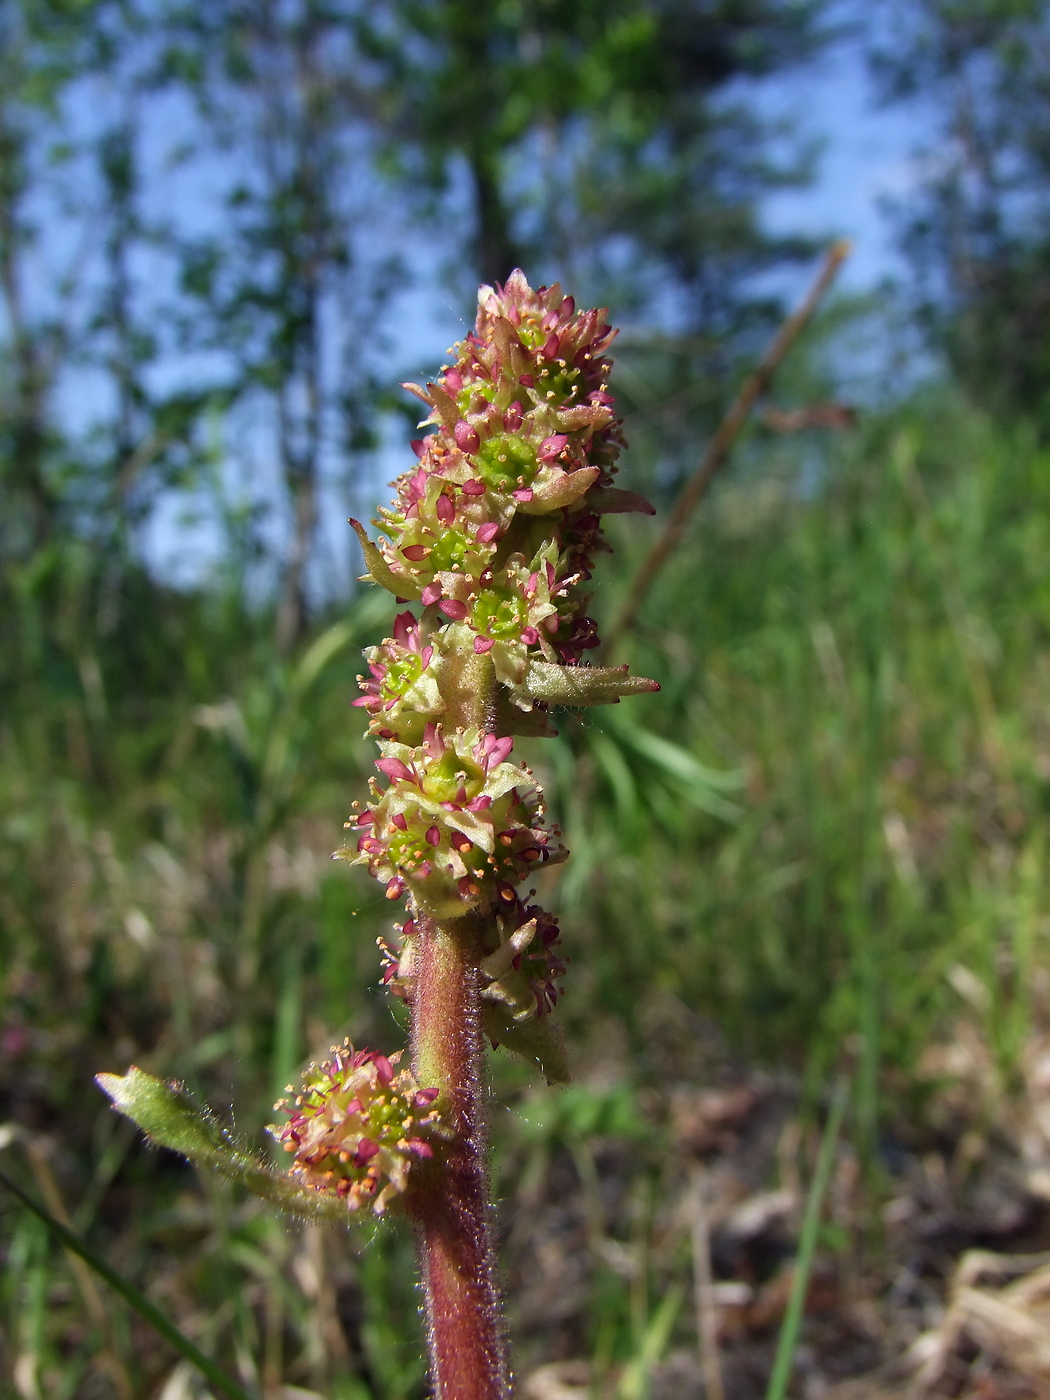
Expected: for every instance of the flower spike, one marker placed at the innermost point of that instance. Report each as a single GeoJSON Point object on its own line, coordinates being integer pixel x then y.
{"type": "Point", "coordinates": [492, 532]}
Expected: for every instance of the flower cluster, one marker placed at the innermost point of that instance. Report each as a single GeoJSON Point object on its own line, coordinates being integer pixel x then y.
{"type": "Point", "coordinates": [458, 825]}
{"type": "Point", "coordinates": [499, 521]}
{"type": "Point", "coordinates": [491, 534]}
{"type": "Point", "coordinates": [522, 970]}
{"type": "Point", "coordinates": [402, 692]}
{"type": "Point", "coordinates": [357, 1126]}
{"type": "Point", "coordinates": [520, 973]}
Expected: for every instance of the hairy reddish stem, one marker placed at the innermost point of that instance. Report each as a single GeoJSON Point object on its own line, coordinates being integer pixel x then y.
{"type": "Point", "coordinates": [451, 1203]}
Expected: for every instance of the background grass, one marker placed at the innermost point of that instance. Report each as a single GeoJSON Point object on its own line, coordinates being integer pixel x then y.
{"type": "Point", "coordinates": [817, 848]}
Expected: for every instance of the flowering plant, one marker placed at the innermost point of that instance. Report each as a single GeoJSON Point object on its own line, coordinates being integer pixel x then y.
{"type": "Point", "coordinates": [492, 533]}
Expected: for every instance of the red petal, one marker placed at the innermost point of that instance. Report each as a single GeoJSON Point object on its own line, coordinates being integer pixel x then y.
{"type": "Point", "coordinates": [395, 769]}
{"type": "Point", "coordinates": [467, 439]}
{"type": "Point", "coordinates": [366, 1148]}
{"type": "Point", "coordinates": [384, 1069]}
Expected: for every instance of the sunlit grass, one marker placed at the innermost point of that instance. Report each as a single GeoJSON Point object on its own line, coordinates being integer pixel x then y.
{"type": "Point", "coordinates": [821, 844]}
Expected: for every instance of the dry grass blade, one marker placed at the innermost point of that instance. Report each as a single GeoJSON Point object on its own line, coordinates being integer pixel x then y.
{"type": "Point", "coordinates": [1010, 1323]}
{"type": "Point", "coordinates": [706, 1307]}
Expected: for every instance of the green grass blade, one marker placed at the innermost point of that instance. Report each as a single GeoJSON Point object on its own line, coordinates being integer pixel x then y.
{"type": "Point", "coordinates": [133, 1296]}
{"type": "Point", "coordinates": [778, 1381]}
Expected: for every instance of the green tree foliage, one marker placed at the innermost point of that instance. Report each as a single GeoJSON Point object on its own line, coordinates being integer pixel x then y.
{"type": "Point", "coordinates": [620, 147]}
{"type": "Point", "coordinates": [41, 45]}
{"type": "Point", "coordinates": [288, 284]}
{"type": "Point", "coordinates": [978, 227]}
{"type": "Point", "coordinates": [611, 144]}
{"type": "Point", "coordinates": [217, 181]}
{"type": "Point", "coordinates": [78, 323]}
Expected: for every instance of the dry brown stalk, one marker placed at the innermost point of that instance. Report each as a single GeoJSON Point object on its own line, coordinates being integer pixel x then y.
{"type": "Point", "coordinates": [718, 448]}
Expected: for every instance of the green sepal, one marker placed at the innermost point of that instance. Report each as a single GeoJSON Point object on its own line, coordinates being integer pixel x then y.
{"type": "Point", "coordinates": [419, 393]}
{"type": "Point", "coordinates": [536, 1041]}
{"type": "Point", "coordinates": [561, 491]}
{"type": "Point", "coordinates": [379, 571]}
{"type": "Point", "coordinates": [170, 1118]}
{"type": "Point", "coordinates": [581, 685]}
{"type": "Point", "coordinates": [446, 410]}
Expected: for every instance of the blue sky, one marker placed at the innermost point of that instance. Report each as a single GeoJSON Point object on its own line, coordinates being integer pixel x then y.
{"type": "Point", "coordinates": [867, 158]}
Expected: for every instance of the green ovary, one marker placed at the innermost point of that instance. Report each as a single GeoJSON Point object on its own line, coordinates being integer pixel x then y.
{"type": "Point", "coordinates": [500, 614]}
{"type": "Point", "coordinates": [386, 1119]}
{"type": "Point", "coordinates": [477, 388]}
{"type": "Point", "coordinates": [407, 851]}
{"type": "Point", "coordinates": [444, 777]}
{"type": "Point", "coordinates": [531, 333]}
{"type": "Point", "coordinates": [400, 676]}
{"type": "Point", "coordinates": [554, 386]}
{"type": "Point", "coordinates": [449, 551]}
{"type": "Point", "coordinates": [504, 461]}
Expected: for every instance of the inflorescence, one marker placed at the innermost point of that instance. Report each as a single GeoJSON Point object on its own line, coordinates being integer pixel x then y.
{"type": "Point", "coordinates": [491, 534]}
{"type": "Point", "coordinates": [357, 1125]}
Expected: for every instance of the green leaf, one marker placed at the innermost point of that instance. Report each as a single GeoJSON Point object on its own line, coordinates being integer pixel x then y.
{"type": "Point", "coordinates": [701, 786]}
{"type": "Point", "coordinates": [169, 1117]}
{"type": "Point", "coordinates": [379, 571]}
{"type": "Point", "coordinates": [320, 652]}
{"type": "Point", "coordinates": [789, 1328]}
{"type": "Point", "coordinates": [611, 500]}
{"type": "Point", "coordinates": [131, 1294]}
{"type": "Point", "coordinates": [537, 1041]}
{"type": "Point", "coordinates": [582, 685]}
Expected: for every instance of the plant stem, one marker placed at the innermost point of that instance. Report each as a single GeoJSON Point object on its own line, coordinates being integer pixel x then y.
{"type": "Point", "coordinates": [789, 1328]}
{"type": "Point", "coordinates": [451, 1206]}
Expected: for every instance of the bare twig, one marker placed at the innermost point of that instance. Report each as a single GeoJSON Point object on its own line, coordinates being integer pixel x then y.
{"type": "Point", "coordinates": [718, 449]}
{"type": "Point", "coordinates": [703, 1284]}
